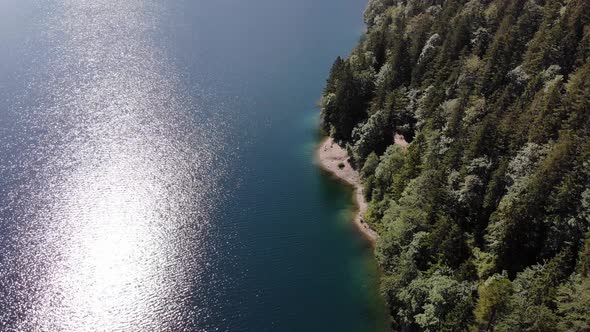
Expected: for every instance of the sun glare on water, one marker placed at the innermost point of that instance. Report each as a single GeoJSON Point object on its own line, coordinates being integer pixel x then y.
{"type": "Point", "coordinates": [108, 224]}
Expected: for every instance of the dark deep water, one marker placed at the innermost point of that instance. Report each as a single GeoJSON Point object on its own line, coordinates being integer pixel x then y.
{"type": "Point", "coordinates": [156, 169]}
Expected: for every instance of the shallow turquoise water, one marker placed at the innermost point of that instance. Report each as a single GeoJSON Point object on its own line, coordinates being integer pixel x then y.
{"type": "Point", "coordinates": [157, 172]}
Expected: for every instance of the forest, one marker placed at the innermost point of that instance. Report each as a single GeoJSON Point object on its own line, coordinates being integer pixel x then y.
{"type": "Point", "coordinates": [484, 217]}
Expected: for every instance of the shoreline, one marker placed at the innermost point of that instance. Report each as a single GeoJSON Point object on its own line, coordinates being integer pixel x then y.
{"type": "Point", "coordinates": [329, 156]}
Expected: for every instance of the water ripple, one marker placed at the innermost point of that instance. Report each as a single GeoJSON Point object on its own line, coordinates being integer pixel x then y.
{"type": "Point", "coordinates": [108, 198]}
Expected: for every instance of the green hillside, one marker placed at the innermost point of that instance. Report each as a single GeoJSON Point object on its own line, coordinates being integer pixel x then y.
{"type": "Point", "coordinates": [484, 217]}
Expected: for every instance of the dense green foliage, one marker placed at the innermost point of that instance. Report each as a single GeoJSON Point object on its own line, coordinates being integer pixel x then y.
{"type": "Point", "coordinates": [484, 218]}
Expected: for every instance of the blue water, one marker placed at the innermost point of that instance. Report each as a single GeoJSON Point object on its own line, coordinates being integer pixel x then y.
{"type": "Point", "coordinates": [156, 169]}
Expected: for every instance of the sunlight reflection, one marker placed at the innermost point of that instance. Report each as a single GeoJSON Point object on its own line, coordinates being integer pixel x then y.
{"type": "Point", "coordinates": [111, 234]}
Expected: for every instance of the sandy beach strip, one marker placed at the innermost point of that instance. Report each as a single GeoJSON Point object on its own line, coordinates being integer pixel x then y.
{"type": "Point", "coordinates": [330, 156]}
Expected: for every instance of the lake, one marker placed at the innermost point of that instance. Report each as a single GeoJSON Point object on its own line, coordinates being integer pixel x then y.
{"type": "Point", "coordinates": [156, 169]}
